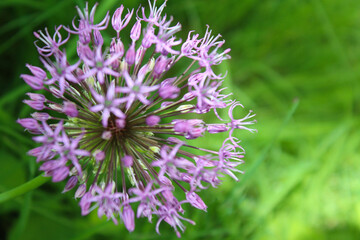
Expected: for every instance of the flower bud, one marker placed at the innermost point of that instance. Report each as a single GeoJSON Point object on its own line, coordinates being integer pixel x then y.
{"type": "Point", "coordinates": [99, 155]}
{"type": "Point", "coordinates": [154, 149]}
{"type": "Point", "coordinates": [127, 161]}
{"type": "Point", "coordinates": [84, 52]}
{"type": "Point", "coordinates": [80, 191]}
{"type": "Point", "coordinates": [161, 65]}
{"type": "Point", "coordinates": [70, 109]}
{"type": "Point", "coordinates": [217, 128]}
{"type": "Point", "coordinates": [130, 55]}
{"type": "Point", "coordinates": [35, 152]}
{"type": "Point", "coordinates": [98, 39]}
{"type": "Point", "coordinates": [196, 201]}
{"type": "Point", "coordinates": [84, 37]}
{"type": "Point", "coordinates": [41, 116]}
{"type": "Point", "coordinates": [36, 97]}
{"type": "Point", "coordinates": [84, 33]}
{"type": "Point", "coordinates": [56, 92]}
{"type": "Point", "coordinates": [84, 202]}
{"type": "Point", "coordinates": [56, 107]}
{"type": "Point", "coordinates": [136, 31]}
{"type": "Point", "coordinates": [71, 183]}
{"type": "Point", "coordinates": [128, 217]}
{"type": "Point", "coordinates": [148, 39]}
{"type": "Point", "coordinates": [168, 195]}
{"type": "Point", "coordinates": [152, 120]}
{"type": "Point", "coordinates": [29, 123]}
{"type": "Point", "coordinates": [165, 104]}
{"type": "Point", "coordinates": [51, 165]}
{"type": "Point", "coordinates": [34, 82]}
{"type": "Point", "coordinates": [37, 105]}
{"type": "Point", "coordinates": [37, 72]}
{"type": "Point", "coordinates": [106, 135]}
{"type": "Point", "coordinates": [196, 78]}
{"type": "Point", "coordinates": [139, 54]}
{"type": "Point", "coordinates": [120, 123]}
{"type": "Point", "coordinates": [167, 90]}
{"type": "Point", "coordinates": [192, 128]}
{"type": "Point", "coordinates": [117, 46]}
{"type": "Point", "coordinates": [166, 181]}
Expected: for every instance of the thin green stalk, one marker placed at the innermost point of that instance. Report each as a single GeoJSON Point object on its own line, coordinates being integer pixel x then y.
{"type": "Point", "coordinates": [24, 188]}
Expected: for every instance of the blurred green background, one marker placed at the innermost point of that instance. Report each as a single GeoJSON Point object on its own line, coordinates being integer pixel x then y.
{"type": "Point", "coordinates": [294, 62]}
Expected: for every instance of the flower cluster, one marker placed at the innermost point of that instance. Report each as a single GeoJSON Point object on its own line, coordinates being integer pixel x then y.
{"type": "Point", "coordinates": [115, 124]}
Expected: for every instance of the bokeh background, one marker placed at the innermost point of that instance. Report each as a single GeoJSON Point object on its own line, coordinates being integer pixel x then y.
{"type": "Point", "coordinates": [294, 62]}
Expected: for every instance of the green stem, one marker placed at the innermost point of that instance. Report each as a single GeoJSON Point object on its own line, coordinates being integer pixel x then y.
{"type": "Point", "coordinates": [24, 188]}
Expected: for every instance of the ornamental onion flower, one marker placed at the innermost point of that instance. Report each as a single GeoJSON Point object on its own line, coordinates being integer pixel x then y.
{"type": "Point", "coordinates": [116, 126]}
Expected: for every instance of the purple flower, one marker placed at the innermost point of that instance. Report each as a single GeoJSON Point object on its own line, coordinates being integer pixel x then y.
{"type": "Point", "coordinates": [188, 48]}
{"type": "Point", "coordinates": [207, 53]}
{"type": "Point", "coordinates": [208, 95]}
{"type": "Point", "coordinates": [155, 13]}
{"type": "Point", "coordinates": [239, 123]}
{"type": "Point", "coordinates": [230, 158]}
{"type": "Point", "coordinates": [36, 81]}
{"type": "Point", "coordinates": [107, 104]}
{"type": "Point", "coordinates": [119, 124]}
{"type": "Point", "coordinates": [56, 168]}
{"type": "Point", "coordinates": [149, 37]}
{"type": "Point", "coordinates": [85, 201]}
{"type": "Point", "coordinates": [147, 198]}
{"type": "Point", "coordinates": [86, 22]}
{"type": "Point", "coordinates": [99, 65]}
{"type": "Point", "coordinates": [36, 97]}
{"type": "Point", "coordinates": [116, 47]}
{"type": "Point", "coordinates": [170, 164]}
{"type": "Point", "coordinates": [51, 137]}
{"type": "Point", "coordinates": [135, 90]}
{"type": "Point", "coordinates": [117, 22]}
{"type": "Point", "coordinates": [69, 150]}
{"type": "Point", "coordinates": [60, 174]}
{"type": "Point", "coordinates": [61, 72]}
{"type": "Point", "coordinates": [51, 44]}
{"type": "Point", "coordinates": [170, 214]}
{"type": "Point", "coordinates": [165, 41]}
{"type": "Point", "coordinates": [107, 201]}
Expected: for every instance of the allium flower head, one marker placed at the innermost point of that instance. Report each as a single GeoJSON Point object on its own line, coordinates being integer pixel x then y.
{"type": "Point", "coordinates": [117, 125]}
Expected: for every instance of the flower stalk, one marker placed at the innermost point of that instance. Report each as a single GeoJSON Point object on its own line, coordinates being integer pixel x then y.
{"type": "Point", "coordinates": [24, 188]}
